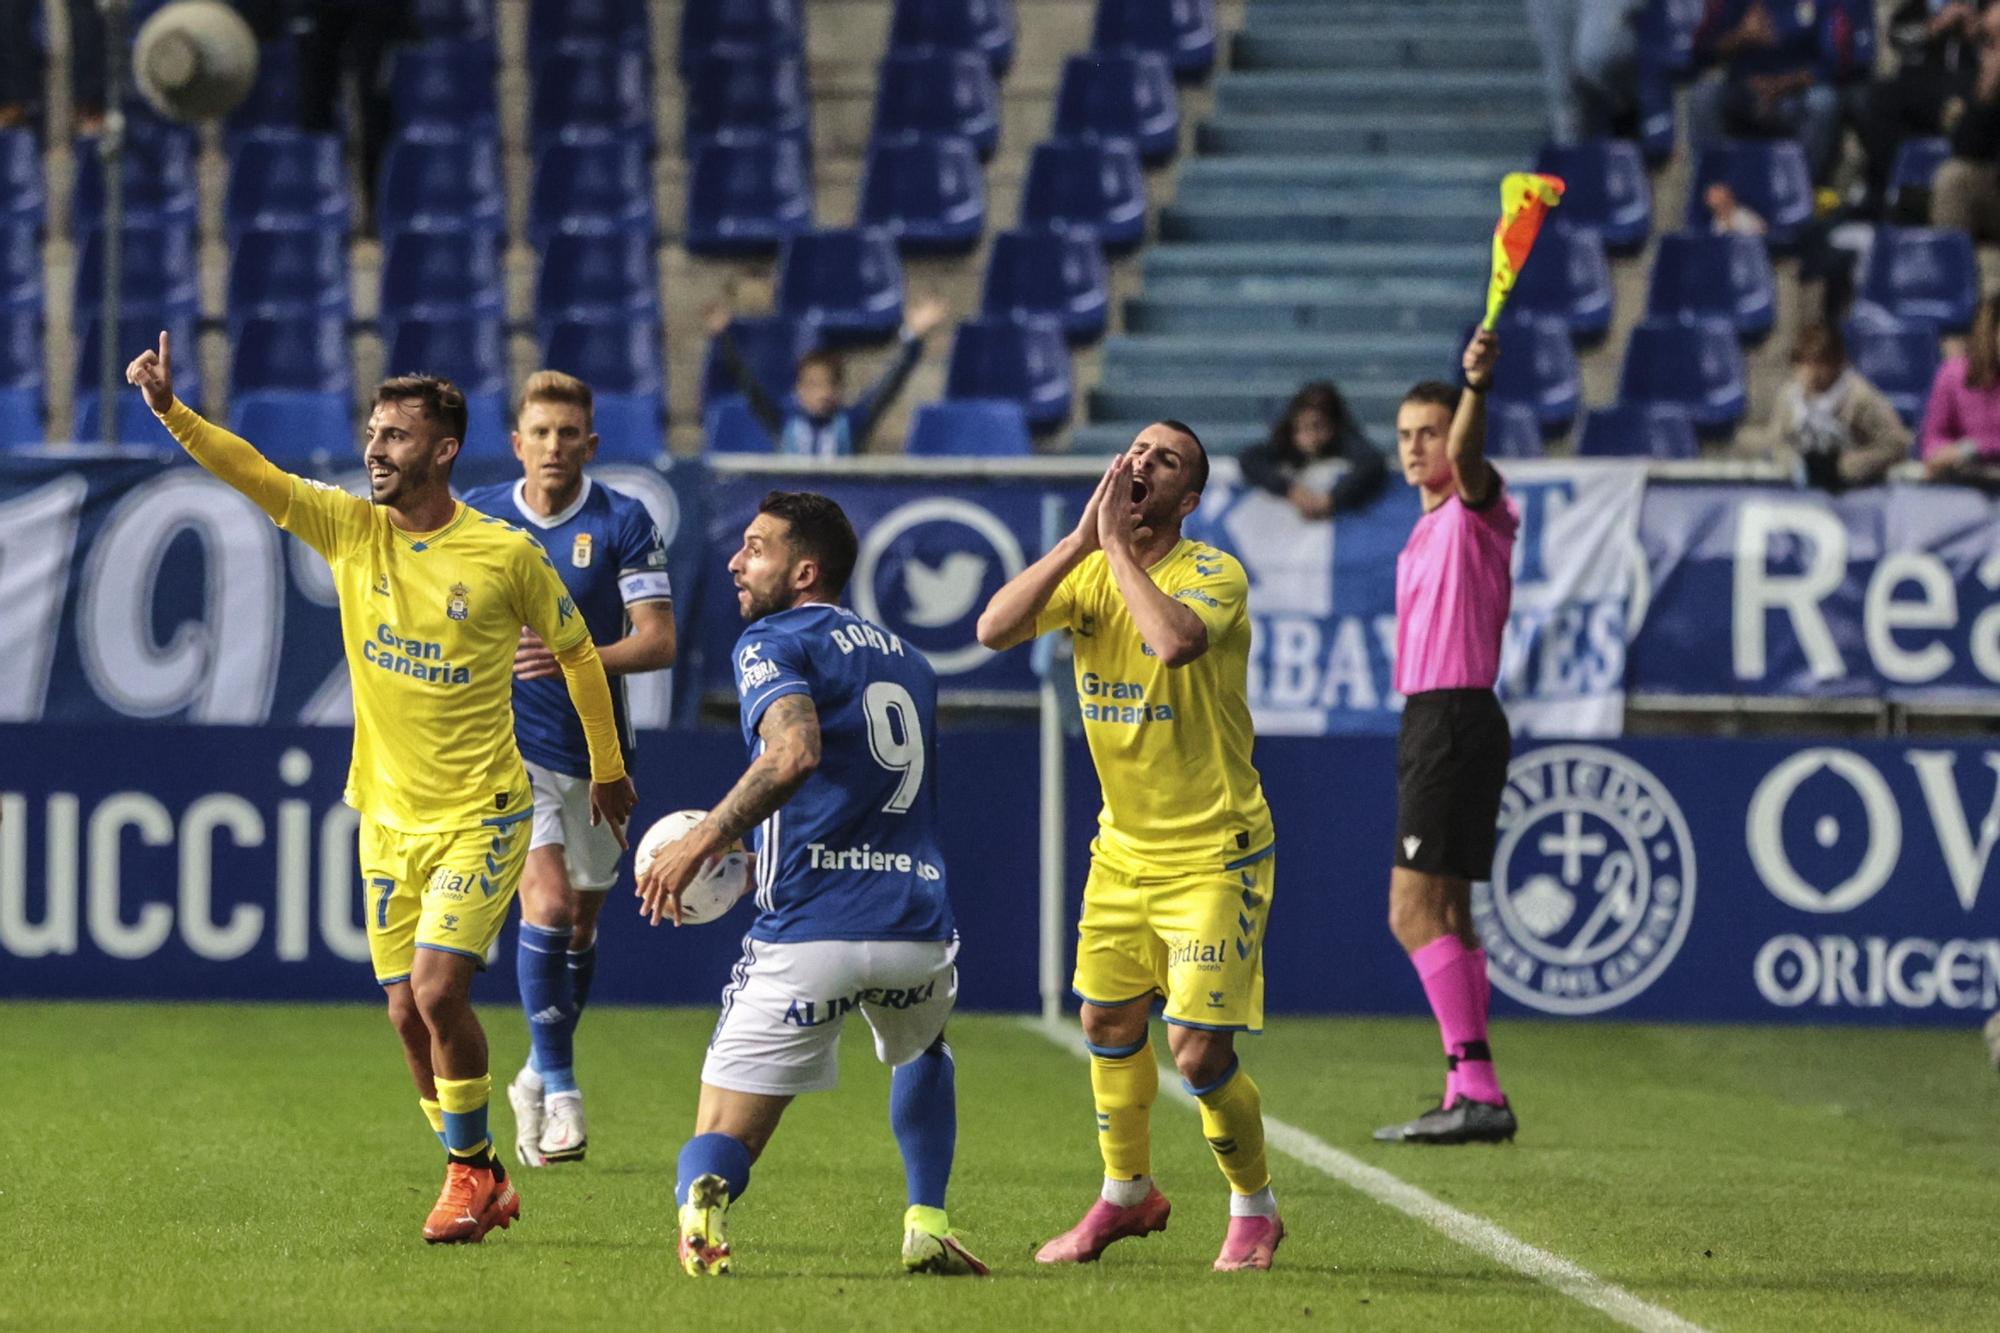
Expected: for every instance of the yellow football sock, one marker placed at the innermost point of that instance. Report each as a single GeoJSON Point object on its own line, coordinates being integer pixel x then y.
{"type": "Point", "coordinates": [1125, 1084]}
{"type": "Point", "coordinates": [434, 1114]}
{"type": "Point", "coordinates": [1232, 1119]}
{"type": "Point", "coordinates": [462, 1106]}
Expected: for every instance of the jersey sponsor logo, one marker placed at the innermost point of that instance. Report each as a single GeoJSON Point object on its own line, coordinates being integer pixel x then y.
{"type": "Point", "coordinates": [1593, 881]}
{"type": "Point", "coordinates": [1200, 954]}
{"type": "Point", "coordinates": [812, 1013]}
{"type": "Point", "coordinates": [419, 659]}
{"type": "Point", "coordinates": [455, 604]}
{"type": "Point", "coordinates": [382, 584]}
{"type": "Point", "coordinates": [579, 551]}
{"type": "Point", "coordinates": [1196, 595]}
{"type": "Point", "coordinates": [752, 671]}
{"type": "Point", "coordinates": [1120, 701]}
{"type": "Point", "coordinates": [927, 568]}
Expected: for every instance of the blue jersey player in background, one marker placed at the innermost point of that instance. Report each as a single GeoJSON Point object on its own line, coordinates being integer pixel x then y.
{"type": "Point", "coordinates": [606, 548]}
{"type": "Point", "coordinates": [849, 874]}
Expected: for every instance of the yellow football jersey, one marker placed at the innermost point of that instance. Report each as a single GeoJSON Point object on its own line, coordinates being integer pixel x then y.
{"type": "Point", "coordinates": [1172, 746]}
{"type": "Point", "coordinates": [431, 622]}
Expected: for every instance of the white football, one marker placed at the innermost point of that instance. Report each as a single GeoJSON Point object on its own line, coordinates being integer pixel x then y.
{"type": "Point", "coordinates": [709, 894]}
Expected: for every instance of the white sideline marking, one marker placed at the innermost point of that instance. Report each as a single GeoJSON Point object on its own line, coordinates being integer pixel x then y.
{"type": "Point", "coordinates": [1473, 1232]}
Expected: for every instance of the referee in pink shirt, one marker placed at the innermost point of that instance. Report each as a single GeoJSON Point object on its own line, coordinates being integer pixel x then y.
{"type": "Point", "coordinates": [1454, 585]}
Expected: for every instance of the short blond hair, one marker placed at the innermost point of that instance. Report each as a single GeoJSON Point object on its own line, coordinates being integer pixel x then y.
{"type": "Point", "coordinates": [554, 386]}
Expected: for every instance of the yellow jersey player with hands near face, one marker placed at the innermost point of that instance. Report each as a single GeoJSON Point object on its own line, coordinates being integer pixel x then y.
{"type": "Point", "coordinates": [1182, 868]}
{"type": "Point", "coordinates": [433, 596]}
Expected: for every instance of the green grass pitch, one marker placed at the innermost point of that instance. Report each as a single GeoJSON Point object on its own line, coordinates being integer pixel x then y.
{"type": "Point", "coordinates": [211, 1167]}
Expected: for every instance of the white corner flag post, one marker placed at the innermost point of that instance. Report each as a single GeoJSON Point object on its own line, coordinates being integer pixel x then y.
{"type": "Point", "coordinates": [1051, 932]}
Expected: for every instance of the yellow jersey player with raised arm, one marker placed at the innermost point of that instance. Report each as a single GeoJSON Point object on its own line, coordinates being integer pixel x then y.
{"type": "Point", "coordinates": [433, 596]}
{"type": "Point", "coordinates": [1182, 868]}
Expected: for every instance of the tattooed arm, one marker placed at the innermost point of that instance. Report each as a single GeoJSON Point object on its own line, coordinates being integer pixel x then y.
{"type": "Point", "coordinates": [790, 732]}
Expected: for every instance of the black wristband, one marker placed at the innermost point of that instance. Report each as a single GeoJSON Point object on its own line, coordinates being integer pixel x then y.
{"type": "Point", "coordinates": [1479, 388]}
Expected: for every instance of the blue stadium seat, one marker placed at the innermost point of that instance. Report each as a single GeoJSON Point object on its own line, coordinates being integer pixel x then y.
{"type": "Point", "coordinates": [1638, 430]}
{"type": "Point", "coordinates": [970, 427]}
{"type": "Point", "coordinates": [741, 28]}
{"type": "Point", "coordinates": [20, 375]}
{"type": "Point", "coordinates": [604, 184]}
{"type": "Point", "coordinates": [738, 95]}
{"type": "Point", "coordinates": [1666, 34]}
{"type": "Point", "coordinates": [1567, 276]}
{"type": "Point", "coordinates": [1916, 165]}
{"type": "Point", "coordinates": [1605, 188]}
{"type": "Point", "coordinates": [1899, 357]}
{"type": "Point", "coordinates": [728, 426]}
{"type": "Point", "coordinates": [20, 266]}
{"type": "Point", "coordinates": [1923, 273]}
{"type": "Point", "coordinates": [285, 178]}
{"type": "Point", "coordinates": [454, 18]}
{"type": "Point", "coordinates": [296, 352]}
{"type": "Point", "coordinates": [1539, 369]}
{"type": "Point", "coordinates": [1698, 273]}
{"type": "Point", "coordinates": [440, 183]}
{"type": "Point", "coordinates": [586, 276]}
{"type": "Point", "coordinates": [21, 417]}
{"type": "Point", "coordinates": [620, 360]}
{"type": "Point", "coordinates": [1513, 431]}
{"type": "Point", "coordinates": [428, 275]}
{"type": "Point", "coordinates": [985, 26]}
{"type": "Point", "coordinates": [1084, 183]}
{"type": "Point", "coordinates": [472, 354]}
{"type": "Point", "coordinates": [593, 89]}
{"type": "Point", "coordinates": [298, 427]}
{"type": "Point", "coordinates": [1658, 122]}
{"type": "Point", "coordinates": [135, 422]}
{"type": "Point", "coordinates": [1181, 30]}
{"type": "Point", "coordinates": [554, 25]}
{"type": "Point", "coordinates": [1057, 273]}
{"type": "Point", "coordinates": [1025, 361]}
{"type": "Point", "coordinates": [446, 86]}
{"type": "Point", "coordinates": [929, 193]}
{"type": "Point", "coordinates": [770, 348]}
{"type": "Point", "coordinates": [156, 271]}
{"type": "Point", "coordinates": [848, 282]}
{"type": "Point", "coordinates": [158, 174]}
{"type": "Point", "coordinates": [293, 272]}
{"type": "Point", "coordinates": [1695, 364]}
{"type": "Point", "coordinates": [748, 197]}
{"type": "Point", "coordinates": [273, 102]}
{"type": "Point", "coordinates": [22, 193]}
{"type": "Point", "coordinates": [1768, 175]}
{"type": "Point", "coordinates": [1128, 97]}
{"type": "Point", "coordinates": [938, 92]}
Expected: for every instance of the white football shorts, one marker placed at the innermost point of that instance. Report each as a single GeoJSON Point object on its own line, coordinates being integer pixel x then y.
{"type": "Point", "coordinates": [782, 1011]}
{"type": "Point", "coordinates": [562, 819]}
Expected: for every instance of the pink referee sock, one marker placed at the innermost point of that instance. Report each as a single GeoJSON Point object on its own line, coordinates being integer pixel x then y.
{"type": "Point", "coordinates": [1455, 982]}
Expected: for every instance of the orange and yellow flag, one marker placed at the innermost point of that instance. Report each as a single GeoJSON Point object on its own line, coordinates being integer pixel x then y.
{"type": "Point", "coordinates": [1525, 199]}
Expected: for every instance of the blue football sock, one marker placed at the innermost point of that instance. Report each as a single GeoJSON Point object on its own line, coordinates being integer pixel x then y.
{"type": "Point", "coordinates": [582, 971]}
{"type": "Point", "coordinates": [923, 1110]}
{"type": "Point", "coordinates": [713, 1155]}
{"type": "Point", "coordinates": [541, 965]}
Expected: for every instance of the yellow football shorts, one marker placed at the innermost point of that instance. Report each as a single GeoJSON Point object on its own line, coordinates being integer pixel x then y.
{"type": "Point", "coordinates": [444, 891]}
{"type": "Point", "coordinates": [1196, 939]}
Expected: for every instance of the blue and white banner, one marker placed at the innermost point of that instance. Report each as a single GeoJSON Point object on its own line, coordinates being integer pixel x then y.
{"type": "Point", "coordinates": [139, 587]}
{"type": "Point", "coordinates": [1891, 592]}
{"type": "Point", "coordinates": [1323, 599]}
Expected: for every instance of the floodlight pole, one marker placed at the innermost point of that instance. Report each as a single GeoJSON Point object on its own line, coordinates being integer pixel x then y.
{"type": "Point", "coordinates": [111, 159]}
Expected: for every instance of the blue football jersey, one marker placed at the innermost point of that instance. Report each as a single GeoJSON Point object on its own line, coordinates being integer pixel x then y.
{"type": "Point", "coordinates": [855, 854]}
{"type": "Point", "coordinates": [609, 554]}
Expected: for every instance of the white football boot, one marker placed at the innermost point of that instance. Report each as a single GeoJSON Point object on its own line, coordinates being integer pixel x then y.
{"type": "Point", "coordinates": [563, 1138]}
{"type": "Point", "coordinates": [524, 1094]}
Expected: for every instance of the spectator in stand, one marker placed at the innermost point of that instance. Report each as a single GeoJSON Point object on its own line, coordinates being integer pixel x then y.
{"type": "Point", "coordinates": [1832, 427]}
{"type": "Point", "coordinates": [1936, 45]}
{"type": "Point", "coordinates": [1590, 52]}
{"type": "Point", "coordinates": [817, 420]}
{"type": "Point", "coordinates": [1966, 192]}
{"type": "Point", "coordinates": [1961, 431]}
{"type": "Point", "coordinates": [1728, 215]}
{"type": "Point", "coordinates": [342, 41]}
{"type": "Point", "coordinates": [1294, 463]}
{"type": "Point", "coordinates": [1779, 63]}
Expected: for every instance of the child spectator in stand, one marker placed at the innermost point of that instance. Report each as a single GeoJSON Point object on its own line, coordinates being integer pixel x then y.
{"type": "Point", "coordinates": [1316, 428]}
{"type": "Point", "coordinates": [1833, 428]}
{"type": "Point", "coordinates": [817, 420]}
{"type": "Point", "coordinates": [1961, 430]}
{"type": "Point", "coordinates": [1729, 215]}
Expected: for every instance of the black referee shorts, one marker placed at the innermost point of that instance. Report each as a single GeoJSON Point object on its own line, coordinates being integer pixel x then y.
{"type": "Point", "coordinates": [1451, 768]}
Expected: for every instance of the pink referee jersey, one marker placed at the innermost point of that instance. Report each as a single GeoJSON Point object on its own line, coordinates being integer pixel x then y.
{"type": "Point", "coordinates": [1454, 585]}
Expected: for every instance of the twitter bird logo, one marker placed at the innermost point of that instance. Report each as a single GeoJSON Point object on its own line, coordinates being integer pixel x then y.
{"type": "Point", "coordinates": [943, 594]}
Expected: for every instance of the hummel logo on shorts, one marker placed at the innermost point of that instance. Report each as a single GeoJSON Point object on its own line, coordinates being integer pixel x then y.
{"type": "Point", "coordinates": [1410, 846]}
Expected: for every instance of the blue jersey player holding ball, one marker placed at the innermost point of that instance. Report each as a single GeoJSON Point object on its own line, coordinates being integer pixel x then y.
{"type": "Point", "coordinates": [608, 551]}
{"type": "Point", "coordinates": [852, 914]}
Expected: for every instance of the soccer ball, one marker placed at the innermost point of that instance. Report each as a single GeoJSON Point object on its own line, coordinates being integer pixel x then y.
{"type": "Point", "coordinates": [710, 893]}
{"type": "Point", "coordinates": [195, 60]}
